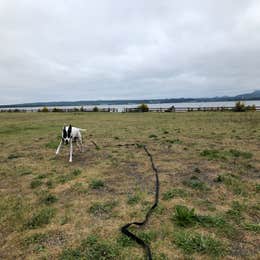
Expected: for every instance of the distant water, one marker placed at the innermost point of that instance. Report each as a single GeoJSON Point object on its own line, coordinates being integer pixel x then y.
{"type": "Point", "coordinates": [162, 105]}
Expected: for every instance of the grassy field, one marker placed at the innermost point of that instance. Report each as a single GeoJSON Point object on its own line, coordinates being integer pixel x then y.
{"type": "Point", "coordinates": [209, 173]}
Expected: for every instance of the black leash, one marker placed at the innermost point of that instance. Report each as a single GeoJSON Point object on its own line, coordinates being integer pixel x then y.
{"type": "Point", "coordinates": [124, 229]}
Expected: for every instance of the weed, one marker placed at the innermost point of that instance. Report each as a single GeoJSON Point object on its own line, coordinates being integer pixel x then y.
{"type": "Point", "coordinates": [133, 199]}
{"type": "Point", "coordinates": [159, 209]}
{"type": "Point", "coordinates": [64, 178]}
{"type": "Point", "coordinates": [184, 216]}
{"type": "Point", "coordinates": [196, 243]}
{"type": "Point", "coordinates": [174, 141]}
{"type": "Point", "coordinates": [102, 209]}
{"type": "Point", "coordinates": [232, 182]}
{"type": "Point", "coordinates": [175, 192]}
{"type": "Point", "coordinates": [96, 184]}
{"type": "Point", "coordinates": [41, 218]}
{"type": "Point", "coordinates": [212, 154]}
{"type": "Point", "coordinates": [71, 254]}
{"type": "Point", "coordinates": [92, 248]}
{"type": "Point", "coordinates": [216, 154]}
{"type": "Point", "coordinates": [64, 220]}
{"type": "Point", "coordinates": [49, 184]}
{"type": "Point", "coordinates": [41, 176]}
{"type": "Point", "coordinates": [152, 136]}
{"type": "Point", "coordinates": [25, 172]}
{"type": "Point", "coordinates": [79, 188]}
{"type": "Point", "coordinates": [125, 241]}
{"type": "Point", "coordinates": [35, 239]}
{"type": "Point", "coordinates": [36, 183]}
{"type": "Point", "coordinates": [147, 236]}
{"type": "Point", "coordinates": [49, 199]}
{"type": "Point", "coordinates": [207, 204]}
{"type": "Point", "coordinates": [76, 172]}
{"type": "Point", "coordinates": [197, 170]}
{"type": "Point", "coordinates": [235, 213]}
{"type": "Point", "coordinates": [14, 156]}
{"type": "Point", "coordinates": [195, 183]}
{"type": "Point", "coordinates": [237, 153]}
{"type": "Point", "coordinates": [252, 227]}
{"type": "Point", "coordinates": [52, 144]}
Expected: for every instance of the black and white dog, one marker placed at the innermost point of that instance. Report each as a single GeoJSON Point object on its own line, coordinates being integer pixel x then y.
{"type": "Point", "coordinates": [69, 135]}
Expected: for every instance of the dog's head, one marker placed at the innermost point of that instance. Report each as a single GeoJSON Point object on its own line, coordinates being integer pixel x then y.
{"type": "Point", "coordinates": [66, 134]}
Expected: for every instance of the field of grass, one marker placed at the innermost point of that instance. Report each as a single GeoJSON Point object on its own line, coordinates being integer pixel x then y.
{"type": "Point", "coordinates": [208, 164]}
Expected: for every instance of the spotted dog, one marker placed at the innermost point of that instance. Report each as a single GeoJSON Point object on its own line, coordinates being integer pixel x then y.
{"type": "Point", "coordinates": [69, 135]}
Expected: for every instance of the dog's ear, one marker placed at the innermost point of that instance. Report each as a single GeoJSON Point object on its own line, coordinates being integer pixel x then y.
{"type": "Point", "coordinates": [64, 132]}
{"type": "Point", "coordinates": [69, 130]}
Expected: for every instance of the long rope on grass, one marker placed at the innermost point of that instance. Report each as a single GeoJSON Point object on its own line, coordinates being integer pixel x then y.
{"type": "Point", "coordinates": [125, 228]}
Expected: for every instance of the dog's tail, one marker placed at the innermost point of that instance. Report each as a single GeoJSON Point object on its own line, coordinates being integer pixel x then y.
{"type": "Point", "coordinates": [83, 130]}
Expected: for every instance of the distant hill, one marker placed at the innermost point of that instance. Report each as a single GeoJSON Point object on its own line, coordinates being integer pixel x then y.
{"type": "Point", "coordinates": [248, 96]}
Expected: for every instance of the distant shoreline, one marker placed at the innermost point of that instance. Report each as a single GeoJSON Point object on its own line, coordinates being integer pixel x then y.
{"type": "Point", "coordinates": [254, 96]}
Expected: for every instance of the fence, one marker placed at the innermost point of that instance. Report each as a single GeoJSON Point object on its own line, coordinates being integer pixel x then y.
{"type": "Point", "coordinates": [124, 110]}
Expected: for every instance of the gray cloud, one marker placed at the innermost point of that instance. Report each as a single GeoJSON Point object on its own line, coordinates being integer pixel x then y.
{"type": "Point", "coordinates": [77, 49]}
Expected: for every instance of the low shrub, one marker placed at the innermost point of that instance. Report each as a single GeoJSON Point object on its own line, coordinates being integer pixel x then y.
{"type": "Point", "coordinates": [41, 218]}
{"type": "Point", "coordinates": [143, 108]}
{"type": "Point", "coordinates": [96, 184]}
{"type": "Point", "coordinates": [36, 183]}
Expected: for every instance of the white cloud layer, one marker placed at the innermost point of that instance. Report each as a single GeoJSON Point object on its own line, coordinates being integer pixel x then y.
{"type": "Point", "coordinates": [110, 49]}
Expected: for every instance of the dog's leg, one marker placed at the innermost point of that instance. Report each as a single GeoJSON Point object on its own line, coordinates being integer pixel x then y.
{"type": "Point", "coordinates": [80, 142]}
{"type": "Point", "coordinates": [58, 149]}
{"type": "Point", "coordinates": [78, 145]}
{"type": "Point", "coordinates": [71, 151]}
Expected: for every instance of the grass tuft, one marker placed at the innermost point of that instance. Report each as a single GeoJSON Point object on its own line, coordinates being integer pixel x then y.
{"type": "Point", "coordinates": [191, 242]}
{"type": "Point", "coordinates": [49, 199]}
{"type": "Point", "coordinates": [92, 248]}
{"type": "Point", "coordinates": [41, 218]}
{"type": "Point", "coordinates": [195, 183]}
{"type": "Point", "coordinates": [96, 184]}
{"type": "Point", "coordinates": [133, 199]}
{"type": "Point", "coordinates": [102, 209]}
{"type": "Point", "coordinates": [36, 183]}
{"type": "Point", "coordinates": [175, 192]}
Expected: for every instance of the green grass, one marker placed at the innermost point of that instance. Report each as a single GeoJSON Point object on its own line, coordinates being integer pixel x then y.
{"type": "Point", "coordinates": [133, 199]}
{"type": "Point", "coordinates": [192, 242]}
{"type": "Point", "coordinates": [252, 227]}
{"type": "Point", "coordinates": [213, 154]}
{"type": "Point", "coordinates": [49, 199]}
{"type": "Point", "coordinates": [184, 216]}
{"type": "Point", "coordinates": [36, 183]}
{"type": "Point", "coordinates": [233, 183]}
{"type": "Point", "coordinates": [96, 184]}
{"type": "Point", "coordinates": [173, 193]}
{"type": "Point", "coordinates": [92, 247]}
{"type": "Point", "coordinates": [35, 238]}
{"type": "Point", "coordinates": [195, 183]}
{"type": "Point", "coordinates": [102, 209]}
{"type": "Point", "coordinates": [40, 218]}
{"type": "Point", "coordinates": [45, 199]}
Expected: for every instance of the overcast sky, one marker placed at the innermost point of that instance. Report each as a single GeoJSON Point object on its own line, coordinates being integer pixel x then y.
{"type": "Point", "coordinates": [84, 50]}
